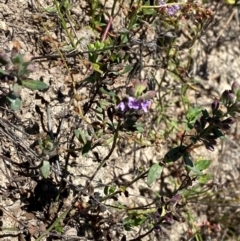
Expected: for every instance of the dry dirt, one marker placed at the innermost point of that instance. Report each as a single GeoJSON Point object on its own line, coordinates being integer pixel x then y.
{"type": "Point", "coordinates": [26, 199]}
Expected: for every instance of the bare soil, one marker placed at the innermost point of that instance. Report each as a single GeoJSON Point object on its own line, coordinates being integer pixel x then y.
{"type": "Point", "coordinates": [27, 200]}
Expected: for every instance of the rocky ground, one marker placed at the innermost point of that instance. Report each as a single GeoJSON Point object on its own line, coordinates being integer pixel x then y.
{"type": "Point", "coordinates": [27, 207]}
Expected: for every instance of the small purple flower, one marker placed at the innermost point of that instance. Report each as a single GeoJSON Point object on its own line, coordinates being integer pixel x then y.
{"type": "Point", "coordinates": [176, 198]}
{"type": "Point", "coordinates": [215, 105]}
{"type": "Point", "coordinates": [173, 9]}
{"type": "Point", "coordinates": [169, 218]}
{"type": "Point", "coordinates": [122, 106]}
{"type": "Point", "coordinates": [235, 87]}
{"type": "Point", "coordinates": [134, 104]}
{"type": "Point", "coordinates": [229, 121]}
{"type": "Point", "coordinates": [225, 127]}
{"type": "Point", "coordinates": [161, 2]}
{"type": "Point", "coordinates": [228, 97]}
{"type": "Point", "coordinates": [170, 9]}
{"type": "Point", "coordinates": [145, 104]}
{"type": "Point", "coordinates": [208, 145]}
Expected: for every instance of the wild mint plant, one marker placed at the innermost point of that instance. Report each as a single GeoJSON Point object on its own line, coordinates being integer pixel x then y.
{"type": "Point", "coordinates": [117, 114]}
{"type": "Point", "coordinates": [15, 70]}
{"type": "Point", "coordinates": [132, 107]}
{"type": "Point", "coordinates": [208, 126]}
{"type": "Point", "coordinates": [128, 111]}
{"type": "Point", "coordinates": [125, 119]}
{"type": "Point", "coordinates": [46, 146]}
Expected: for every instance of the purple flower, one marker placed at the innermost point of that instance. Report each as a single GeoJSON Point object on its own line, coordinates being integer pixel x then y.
{"type": "Point", "coordinates": [228, 97]}
{"type": "Point", "coordinates": [162, 2]}
{"type": "Point", "coordinates": [175, 199]}
{"type": "Point", "coordinates": [122, 106]}
{"type": "Point", "coordinates": [235, 87]}
{"type": "Point", "coordinates": [229, 121]}
{"type": "Point", "coordinates": [208, 145]}
{"type": "Point", "coordinates": [145, 104]}
{"type": "Point", "coordinates": [170, 9]}
{"type": "Point", "coordinates": [134, 104]}
{"type": "Point", "coordinates": [173, 9]}
{"type": "Point", "coordinates": [215, 105]}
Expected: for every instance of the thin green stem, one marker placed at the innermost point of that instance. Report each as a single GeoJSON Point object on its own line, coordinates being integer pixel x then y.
{"type": "Point", "coordinates": [64, 25]}
{"type": "Point", "coordinates": [61, 217]}
{"type": "Point", "coordinates": [103, 162]}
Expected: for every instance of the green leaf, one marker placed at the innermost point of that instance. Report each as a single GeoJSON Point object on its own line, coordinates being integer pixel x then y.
{"type": "Point", "coordinates": [15, 102]}
{"type": "Point", "coordinates": [149, 11]}
{"type": "Point", "coordinates": [81, 136]}
{"type": "Point", "coordinates": [49, 10]}
{"type": "Point", "coordinates": [187, 160]}
{"type": "Point", "coordinates": [34, 84]}
{"type": "Point", "coordinates": [23, 71]}
{"type": "Point", "coordinates": [99, 45]}
{"type": "Point", "coordinates": [126, 69]}
{"type": "Point", "coordinates": [189, 164]}
{"type": "Point", "coordinates": [193, 114]}
{"type": "Point", "coordinates": [77, 133]}
{"type": "Point", "coordinates": [139, 88]}
{"type": "Point", "coordinates": [16, 105]}
{"type": "Point", "coordinates": [86, 148]}
{"type": "Point", "coordinates": [112, 189]}
{"type": "Point", "coordinates": [174, 154]}
{"type": "Point", "coordinates": [58, 227]}
{"type": "Point", "coordinates": [140, 127]}
{"type": "Point", "coordinates": [203, 164]}
{"type": "Point", "coordinates": [17, 89]}
{"type": "Point", "coordinates": [124, 38]}
{"type": "Point", "coordinates": [108, 141]}
{"type": "Point", "coordinates": [154, 173]}
{"type": "Point", "coordinates": [217, 133]}
{"type": "Point", "coordinates": [195, 169]}
{"type": "Point", "coordinates": [96, 67]}
{"type": "Point", "coordinates": [18, 59]}
{"type": "Point", "coordinates": [204, 178]}
{"type": "Point", "coordinates": [106, 190]}
{"type": "Point", "coordinates": [139, 220]}
{"type": "Point", "coordinates": [111, 93]}
{"type": "Point", "coordinates": [2, 72]}
{"type": "Point", "coordinates": [45, 169]}
{"type": "Point", "coordinates": [104, 104]}
{"type": "Point", "coordinates": [133, 221]}
{"type": "Point", "coordinates": [91, 47]}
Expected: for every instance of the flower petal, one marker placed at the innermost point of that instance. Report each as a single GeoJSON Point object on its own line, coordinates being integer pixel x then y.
{"type": "Point", "coordinates": [122, 106]}
{"type": "Point", "coordinates": [145, 105]}
{"type": "Point", "coordinates": [133, 103]}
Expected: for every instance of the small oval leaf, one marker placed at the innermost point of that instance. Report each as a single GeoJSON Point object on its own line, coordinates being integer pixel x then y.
{"type": "Point", "coordinates": [203, 164]}
{"type": "Point", "coordinates": [34, 84]}
{"type": "Point", "coordinates": [193, 114]}
{"type": "Point", "coordinates": [86, 148]}
{"type": "Point", "coordinates": [154, 173]}
{"type": "Point", "coordinates": [16, 105]}
{"type": "Point", "coordinates": [195, 170]}
{"type": "Point", "coordinates": [17, 89]}
{"type": "Point", "coordinates": [187, 160]}
{"type": "Point", "coordinates": [174, 154]}
{"type": "Point", "coordinates": [45, 169]}
{"type": "Point", "coordinates": [15, 102]}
